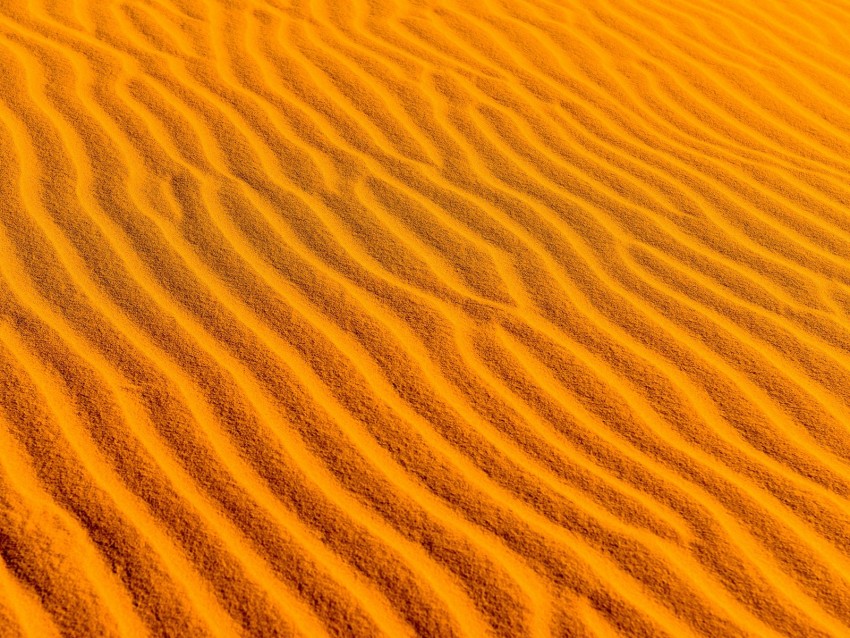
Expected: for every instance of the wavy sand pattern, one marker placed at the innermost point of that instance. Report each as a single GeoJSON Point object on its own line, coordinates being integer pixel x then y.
{"type": "Point", "coordinates": [424, 317]}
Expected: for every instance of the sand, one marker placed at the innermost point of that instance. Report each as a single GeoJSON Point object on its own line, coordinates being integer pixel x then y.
{"type": "Point", "coordinates": [424, 318]}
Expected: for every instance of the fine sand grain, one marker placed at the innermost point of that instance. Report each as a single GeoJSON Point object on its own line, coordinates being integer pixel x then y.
{"type": "Point", "coordinates": [424, 318]}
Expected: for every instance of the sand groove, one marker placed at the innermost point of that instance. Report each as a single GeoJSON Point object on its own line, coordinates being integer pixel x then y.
{"type": "Point", "coordinates": [438, 318]}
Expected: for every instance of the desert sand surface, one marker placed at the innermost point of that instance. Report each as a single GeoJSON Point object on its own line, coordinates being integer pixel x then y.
{"type": "Point", "coordinates": [424, 318]}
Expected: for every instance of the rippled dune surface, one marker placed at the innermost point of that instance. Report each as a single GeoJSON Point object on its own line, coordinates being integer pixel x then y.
{"type": "Point", "coordinates": [424, 318]}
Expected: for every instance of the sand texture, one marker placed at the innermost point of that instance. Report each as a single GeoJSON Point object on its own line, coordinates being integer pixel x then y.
{"type": "Point", "coordinates": [424, 318]}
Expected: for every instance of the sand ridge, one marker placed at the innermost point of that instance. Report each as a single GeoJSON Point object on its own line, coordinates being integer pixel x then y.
{"type": "Point", "coordinates": [424, 318]}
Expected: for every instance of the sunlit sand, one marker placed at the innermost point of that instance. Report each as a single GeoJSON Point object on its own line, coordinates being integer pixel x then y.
{"type": "Point", "coordinates": [424, 318]}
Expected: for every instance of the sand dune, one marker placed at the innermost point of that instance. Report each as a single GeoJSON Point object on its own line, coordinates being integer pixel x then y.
{"type": "Point", "coordinates": [424, 318]}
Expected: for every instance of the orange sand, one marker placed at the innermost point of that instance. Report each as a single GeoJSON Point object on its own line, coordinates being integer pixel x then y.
{"type": "Point", "coordinates": [425, 318]}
